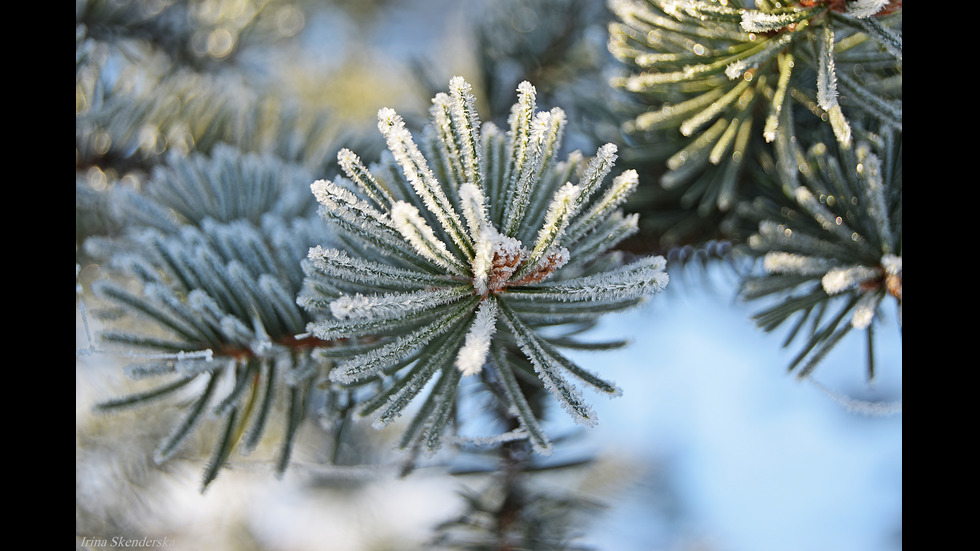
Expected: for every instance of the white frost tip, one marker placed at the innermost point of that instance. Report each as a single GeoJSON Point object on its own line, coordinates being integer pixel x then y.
{"type": "Point", "coordinates": [864, 311]}
{"type": "Point", "coordinates": [755, 21]}
{"type": "Point", "coordinates": [607, 153]}
{"type": "Point", "coordinates": [482, 261]}
{"type": "Point", "coordinates": [346, 157]}
{"type": "Point", "coordinates": [839, 280]}
{"type": "Point", "coordinates": [473, 353]}
{"type": "Point", "coordinates": [623, 186]}
{"type": "Point", "coordinates": [526, 87]}
{"type": "Point", "coordinates": [735, 69]}
{"type": "Point", "coordinates": [777, 262]}
{"type": "Point", "coordinates": [326, 192]}
{"type": "Point", "coordinates": [416, 231]}
{"type": "Point", "coordinates": [567, 193]}
{"type": "Point", "coordinates": [892, 264]}
{"type": "Point", "coordinates": [388, 119]}
{"type": "Point", "coordinates": [460, 84]}
{"type": "Point", "coordinates": [866, 8]}
{"type": "Point", "coordinates": [826, 73]}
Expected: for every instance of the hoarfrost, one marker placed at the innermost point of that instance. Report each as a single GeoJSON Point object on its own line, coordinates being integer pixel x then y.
{"type": "Point", "coordinates": [473, 204]}
{"type": "Point", "coordinates": [735, 69]}
{"type": "Point", "coordinates": [826, 73]}
{"type": "Point", "coordinates": [420, 235]}
{"type": "Point", "coordinates": [391, 305]}
{"type": "Point", "coordinates": [473, 353]}
{"type": "Point", "coordinates": [756, 21]}
{"type": "Point", "coordinates": [347, 307]}
{"type": "Point", "coordinates": [778, 262]}
{"type": "Point", "coordinates": [864, 310]}
{"type": "Point", "coordinates": [838, 280]}
{"type": "Point", "coordinates": [892, 264]}
{"type": "Point", "coordinates": [866, 8]}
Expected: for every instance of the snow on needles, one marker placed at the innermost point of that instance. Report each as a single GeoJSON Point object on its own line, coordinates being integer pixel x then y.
{"type": "Point", "coordinates": [454, 249]}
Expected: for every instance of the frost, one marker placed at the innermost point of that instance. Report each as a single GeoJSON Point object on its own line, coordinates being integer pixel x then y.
{"type": "Point", "coordinates": [418, 173]}
{"type": "Point", "coordinates": [892, 264]}
{"type": "Point", "coordinates": [432, 264]}
{"type": "Point", "coordinates": [562, 207]}
{"type": "Point", "coordinates": [335, 263]}
{"type": "Point", "coordinates": [735, 69]}
{"type": "Point", "coordinates": [262, 344]}
{"type": "Point", "coordinates": [838, 280]}
{"type": "Point", "coordinates": [866, 8]}
{"type": "Point", "coordinates": [495, 261]}
{"type": "Point", "coordinates": [327, 192]}
{"type": "Point", "coordinates": [509, 436]}
{"type": "Point", "coordinates": [391, 305]}
{"type": "Point", "coordinates": [864, 310]}
{"type": "Point", "coordinates": [546, 367]}
{"type": "Point", "coordinates": [347, 307]}
{"type": "Point", "coordinates": [482, 262]}
{"type": "Point", "coordinates": [351, 164]}
{"type": "Point", "coordinates": [826, 73]}
{"type": "Point", "coordinates": [521, 115]}
{"type": "Point", "coordinates": [473, 204]}
{"type": "Point", "coordinates": [777, 262]}
{"type": "Point", "coordinates": [840, 126]}
{"type": "Point", "coordinates": [595, 173]}
{"type": "Point", "coordinates": [757, 22]}
{"type": "Point", "coordinates": [473, 354]}
{"type": "Point", "coordinates": [467, 122]}
{"type": "Point", "coordinates": [370, 363]}
{"type": "Point", "coordinates": [184, 355]}
{"type": "Point", "coordinates": [629, 282]}
{"type": "Point", "coordinates": [417, 232]}
{"type": "Point", "coordinates": [870, 169]}
{"type": "Point", "coordinates": [622, 187]}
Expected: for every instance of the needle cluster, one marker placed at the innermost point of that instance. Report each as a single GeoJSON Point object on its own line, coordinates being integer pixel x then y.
{"type": "Point", "coordinates": [458, 251]}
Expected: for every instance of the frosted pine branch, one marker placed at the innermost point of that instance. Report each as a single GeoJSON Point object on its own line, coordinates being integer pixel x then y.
{"type": "Point", "coordinates": [217, 287]}
{"type": "Point", "coordinates": [707, 69]}
{"type": "Point", "coordinates": [441, 282]}
{"type": "Point", "coordinates": [839, 242]}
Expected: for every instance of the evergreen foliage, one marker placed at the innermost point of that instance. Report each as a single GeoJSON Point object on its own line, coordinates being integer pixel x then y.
{"type": "Point", "coordinates": [711, 80]}
{"type": "Point", "coordinates": [454, 258]}
{"type": "Point", "coordinates": [192, 188]}
{"type": "Point", "coordinates": [147, 86]}
{"type": "Point", "coordinates": [216, 251]}
{"type": "Point", "coordinates": [729, 95]}
{"type": "Point", "coordinates": [833, 237]}
{"type": "Point", "coordinates": [464, 259]}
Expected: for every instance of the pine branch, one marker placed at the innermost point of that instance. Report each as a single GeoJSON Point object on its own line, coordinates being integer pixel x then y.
{"type": "Point", "coordinates": [457, 250]}
{"type": "Point", "coordinates": [712, 78]}
{"type": "Point", "coordinates": [837, 241]}
{"type": "Point", "coordinates": [215, 246]}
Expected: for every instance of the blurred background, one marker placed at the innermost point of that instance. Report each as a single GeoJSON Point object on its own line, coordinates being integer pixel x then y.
{"type": "Point", "coordinates": [713, 446]}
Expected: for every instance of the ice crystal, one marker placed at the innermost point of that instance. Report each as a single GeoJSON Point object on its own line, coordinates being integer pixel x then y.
{"type": "Point", "coordinates": [460, 249]}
